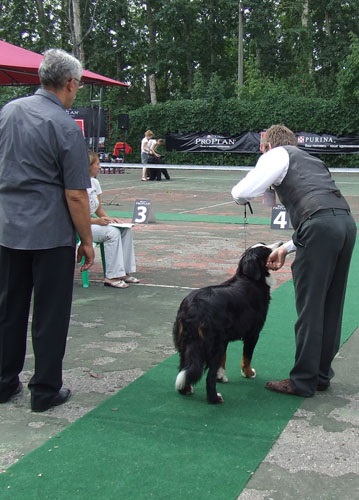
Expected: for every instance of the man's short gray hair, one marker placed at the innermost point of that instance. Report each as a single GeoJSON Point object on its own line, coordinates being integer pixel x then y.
{"type": "Point", "coordinates": [58, 67]}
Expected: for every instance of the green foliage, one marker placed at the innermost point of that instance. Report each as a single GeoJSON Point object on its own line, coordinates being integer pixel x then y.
{"type": "Point", "coordinates": [348, 77]}
{"type": "Point", "coordinates": [234, 116]}
{"type": "Point", "coordinates": [191, 47]}
{"type": "Point", "coordinates": [301, 62]}
{"type": "Point", "coordinates": [10, 93]}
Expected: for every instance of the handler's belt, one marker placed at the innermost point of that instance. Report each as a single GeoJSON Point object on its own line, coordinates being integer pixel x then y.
{"type": "Point", "coordinates": [329, 211]}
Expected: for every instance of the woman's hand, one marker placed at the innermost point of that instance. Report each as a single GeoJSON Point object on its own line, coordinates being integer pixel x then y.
{"type": "Point", "coordinates": [105, 220]}
{"type": "Point", "coordinates": [101, 221]}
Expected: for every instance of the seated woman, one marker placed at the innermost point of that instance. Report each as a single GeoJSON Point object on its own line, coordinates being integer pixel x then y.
{"type": "Point", "coordinates": [118, 242]}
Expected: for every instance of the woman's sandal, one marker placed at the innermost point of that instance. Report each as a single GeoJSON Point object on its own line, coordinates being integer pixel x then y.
{"type": "Point", "coordinates": [131, 279]}
{"type": "Point", "coordinates": [116, 284]}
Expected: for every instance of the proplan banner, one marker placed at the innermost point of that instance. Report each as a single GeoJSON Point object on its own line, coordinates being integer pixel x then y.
{"type": "Point", "coordinates": [249, 142]}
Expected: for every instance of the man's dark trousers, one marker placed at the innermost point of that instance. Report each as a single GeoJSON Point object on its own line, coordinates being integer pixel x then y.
{"type": "Point", "coordinates": [49, 275]}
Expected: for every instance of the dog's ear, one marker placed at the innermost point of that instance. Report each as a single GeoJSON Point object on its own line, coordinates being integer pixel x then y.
{"type": "Point", "coordinates": [251, 266]}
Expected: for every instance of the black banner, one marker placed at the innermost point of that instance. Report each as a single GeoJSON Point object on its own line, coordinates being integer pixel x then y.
{"type": "Point", "coordinates": [325, 143]}
{"type": "Point", "coordinates": [92, 123]}
{"type": "Point", "coordinates": [249, 142]}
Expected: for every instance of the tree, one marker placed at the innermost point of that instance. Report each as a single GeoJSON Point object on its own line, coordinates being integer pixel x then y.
{"type": "Point", "coordinates": [74, 13]}
{"type": "Point", "coordinates": [172, 49]}
{"type": "Point", "coordinates": [348, 76]}
{"type": "Point", "coordinates": [333, 23]}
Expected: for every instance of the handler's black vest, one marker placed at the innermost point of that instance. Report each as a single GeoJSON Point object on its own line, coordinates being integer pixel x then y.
{"type": "Point", "coordinates": [307, 187]}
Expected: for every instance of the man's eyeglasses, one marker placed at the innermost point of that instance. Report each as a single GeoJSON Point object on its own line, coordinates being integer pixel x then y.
{"type": "Point", "coordinates": [80, 82]}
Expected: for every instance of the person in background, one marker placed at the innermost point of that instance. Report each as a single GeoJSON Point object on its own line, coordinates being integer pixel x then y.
{"type": "Point", "coordinates": [145, 151]}
{"type": "Point", "coordinates": [43, 202]}
{"type": "Point", "coordinates": [156, 158]}
{"type": "Point", "coordinates": [323, 239]}
{"type": "Point", "coordinates": [118, 242]}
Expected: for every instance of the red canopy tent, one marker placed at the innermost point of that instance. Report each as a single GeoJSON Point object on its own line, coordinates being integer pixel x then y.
{"type": "Point", "coordinates": [19, 66]}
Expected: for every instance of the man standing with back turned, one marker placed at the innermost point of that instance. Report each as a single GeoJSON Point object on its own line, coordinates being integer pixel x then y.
{"type": "Point", "coordinates": [44, 173]}
{"type": "Point", "coordinates": [324, 237]}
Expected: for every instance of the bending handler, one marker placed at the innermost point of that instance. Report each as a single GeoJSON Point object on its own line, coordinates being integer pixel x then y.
{"type": "Point", "coordinates": [324, 238]}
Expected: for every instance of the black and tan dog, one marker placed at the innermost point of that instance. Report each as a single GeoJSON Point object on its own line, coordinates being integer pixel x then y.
{"type": "Point", "coordinates": [210, 317]}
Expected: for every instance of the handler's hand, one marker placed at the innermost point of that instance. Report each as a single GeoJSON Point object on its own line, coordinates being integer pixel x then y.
{"type": "Point", "coordinates": [277, 258]}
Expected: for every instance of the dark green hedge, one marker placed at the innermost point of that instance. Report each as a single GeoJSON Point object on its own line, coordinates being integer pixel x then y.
{"type": "Point", "coordinates": [234, 116]}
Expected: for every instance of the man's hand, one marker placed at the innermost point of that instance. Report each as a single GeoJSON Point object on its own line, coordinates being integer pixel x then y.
{"type": "Point", "coordinates": [78, 203]}
{"type": "Point", "coordinates": [277, 258]}
{"type": "Point", "coordinates": [88, 252]}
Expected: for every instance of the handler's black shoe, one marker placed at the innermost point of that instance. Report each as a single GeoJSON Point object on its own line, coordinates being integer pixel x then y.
{"type": "Point", "coordinates": [322, 387]}
{"type": "Point", "coordinates": [6, 396]}
{"type": "Point", "coordinates": [61, 397]}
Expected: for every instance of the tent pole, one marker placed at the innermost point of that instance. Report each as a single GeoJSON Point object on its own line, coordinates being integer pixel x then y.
{"type": "Point", "coordinates": [96, 99]}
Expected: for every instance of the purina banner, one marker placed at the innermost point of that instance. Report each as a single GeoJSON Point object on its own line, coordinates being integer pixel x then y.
{"type": "Point", "coordinates": [249, 142]}
{"type": "Point", "coordinates": [324, 143]}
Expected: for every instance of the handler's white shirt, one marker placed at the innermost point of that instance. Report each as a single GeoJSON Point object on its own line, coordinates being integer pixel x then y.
{"type": "Point", "coordinates": [271, 168]}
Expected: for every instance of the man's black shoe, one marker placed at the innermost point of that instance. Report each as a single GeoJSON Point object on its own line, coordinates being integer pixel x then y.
{"type": "Point", "coordinates": [61, 397]}
{"type": "Point", "coordinates": [4, 398]}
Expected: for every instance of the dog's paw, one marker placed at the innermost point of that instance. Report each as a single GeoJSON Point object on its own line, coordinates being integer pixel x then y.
{"type": "Point", "coordinates": [249, 373]}
{"type": "Point", "coordinates": [221, 376]}
{"type": "Point", "coordinates": [187, 391]}
{"type": "Point", "coordinates": [218, 399]}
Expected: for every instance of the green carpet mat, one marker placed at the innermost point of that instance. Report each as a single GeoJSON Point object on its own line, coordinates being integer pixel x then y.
{"type": "Point", "coordinates": [148, 441]}
{"type": "Point", "coordinates": [217, 219]}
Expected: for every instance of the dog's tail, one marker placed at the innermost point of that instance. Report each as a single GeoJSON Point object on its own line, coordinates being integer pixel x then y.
{"type": "Point", "coordinates": [189, 342]}
{"type": "Point", "coordinates": [192, 360]}
{"type": "Point", "coordinates": [182, 385]}
{"type": "Point", "coordinates": [189, 376]}
{"type": "Point", "coordinates": [192, 371]}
